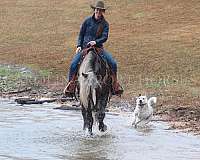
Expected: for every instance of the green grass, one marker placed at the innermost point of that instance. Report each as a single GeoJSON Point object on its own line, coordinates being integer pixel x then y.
{"type": "Point", "coordinates": [45, 73]}
{"type": "Point", "coordinates": [12, 73]}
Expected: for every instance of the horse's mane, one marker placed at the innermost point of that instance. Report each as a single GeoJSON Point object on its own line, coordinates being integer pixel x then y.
{"type": "Point", "coordinates": [88, 79]}
{"type": "Point", "coordinates": [88, 63]}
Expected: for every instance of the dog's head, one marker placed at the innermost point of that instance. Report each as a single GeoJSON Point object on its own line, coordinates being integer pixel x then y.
{"type": "Point", "coordinates": [141, 100]}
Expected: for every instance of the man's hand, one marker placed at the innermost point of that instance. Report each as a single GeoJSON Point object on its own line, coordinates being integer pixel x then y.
{"type": "Point", "coordinates": [78, 49]}
{"type": "Point", "coordinates": [92, 43]}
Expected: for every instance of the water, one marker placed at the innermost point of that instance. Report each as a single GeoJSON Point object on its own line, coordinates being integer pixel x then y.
{"type": "Point", "coordinates": [39, 132]}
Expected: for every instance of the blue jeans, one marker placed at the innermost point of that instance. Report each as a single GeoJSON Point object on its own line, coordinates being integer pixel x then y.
{"type": "Point", "coordinates": [77, 58]}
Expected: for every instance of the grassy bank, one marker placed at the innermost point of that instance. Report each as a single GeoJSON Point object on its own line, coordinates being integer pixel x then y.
{"type": "Point", "coordinates": [17, 78]}
{"type": "Point", "coordinates": [14, 78]}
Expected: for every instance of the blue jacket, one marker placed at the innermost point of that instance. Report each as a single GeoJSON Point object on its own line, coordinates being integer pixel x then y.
{"type": "Point", "coordinates": [88, 32]}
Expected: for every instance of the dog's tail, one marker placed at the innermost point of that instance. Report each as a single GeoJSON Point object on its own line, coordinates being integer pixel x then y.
{"type": "Point", "coordinates": [152, 101]}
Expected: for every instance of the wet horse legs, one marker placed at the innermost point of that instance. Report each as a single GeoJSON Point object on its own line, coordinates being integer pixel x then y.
{"type": "Point", "coordinates": [87, 119]}
{"type": "Point", "coordinates": [90, 120]}
{"type": "Point", "coordinates": [102, 126]}
{"type": "Point", "coordinates": [84, 114]}
{"type": "Point", "coordinates": [101, 113]}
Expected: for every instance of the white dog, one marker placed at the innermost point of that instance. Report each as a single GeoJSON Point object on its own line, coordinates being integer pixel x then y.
{"type": "Point", "coordinates": [143, 111]}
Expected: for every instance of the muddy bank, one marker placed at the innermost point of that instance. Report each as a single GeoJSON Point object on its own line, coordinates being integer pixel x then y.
{"type": "Point", "coordinates": [185, 118]}
{"type": "Point", "coordinates": [18, 81]}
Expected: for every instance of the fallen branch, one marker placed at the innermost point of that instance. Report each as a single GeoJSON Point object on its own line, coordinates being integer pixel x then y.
{"type": "Point", "coordinates": [161, 120]}
{"type": "Point", "coordinates": [67, 107]}
{"type": "Point", "coordinates": [19, 91]}
{"type": "Point", "coordinates": [65, 99]}
{"type": "Point", "coordinates": [33, 101]}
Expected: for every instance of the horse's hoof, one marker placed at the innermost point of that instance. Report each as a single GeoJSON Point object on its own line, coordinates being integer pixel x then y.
{"type": "Point", "coordinates": [90, 134]}
{"type": "Point", "coordinates": [103, 129]}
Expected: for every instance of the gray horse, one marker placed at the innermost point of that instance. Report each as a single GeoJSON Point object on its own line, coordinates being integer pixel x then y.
{"type": "Point", "coordinates": [95, 86]}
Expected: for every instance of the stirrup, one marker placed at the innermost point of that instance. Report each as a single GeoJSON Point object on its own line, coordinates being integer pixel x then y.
{"type": "Point", "coordinates": [119, 90]}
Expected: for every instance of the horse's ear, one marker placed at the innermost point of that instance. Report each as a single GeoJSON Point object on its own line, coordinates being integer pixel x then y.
{"type": "Point", "coordinates": [84, 75]}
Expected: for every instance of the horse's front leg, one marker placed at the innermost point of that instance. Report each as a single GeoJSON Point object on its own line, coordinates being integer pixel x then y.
{"type": "Point", "coordinates": [84, 114]}
{"type": "Point", "coordinates": [102, 126]}
{"type": "Point", "coordinates": [101, 114]}
{"type": "Point", "coordinates": [90, 120]}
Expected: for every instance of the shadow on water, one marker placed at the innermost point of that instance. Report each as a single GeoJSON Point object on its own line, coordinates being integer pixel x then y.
{"type": "Point", "coordinates": [38, 132]}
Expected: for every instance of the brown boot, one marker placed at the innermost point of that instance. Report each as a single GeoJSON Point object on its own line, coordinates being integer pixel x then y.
{"type": "Point", "coordinates": [116, 87]}
{"type": "Point", "coordinates": [70, 88]}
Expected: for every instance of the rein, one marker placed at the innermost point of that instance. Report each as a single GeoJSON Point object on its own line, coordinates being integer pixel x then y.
{"type": "Point", "coordinates": [98, 51]}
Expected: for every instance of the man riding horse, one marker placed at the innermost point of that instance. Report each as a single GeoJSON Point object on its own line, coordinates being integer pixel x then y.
{"type": "Point", "coordinates": [94, 32]}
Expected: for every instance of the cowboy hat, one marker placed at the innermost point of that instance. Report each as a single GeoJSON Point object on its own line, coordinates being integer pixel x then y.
{"type": "Point", "coordinates": [99, 5]}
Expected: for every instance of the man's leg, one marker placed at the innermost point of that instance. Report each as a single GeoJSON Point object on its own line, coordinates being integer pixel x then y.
{"type": "Point", "coordinates": [117, 89]}
{"type": "Point", "coordinates": [70, 88]}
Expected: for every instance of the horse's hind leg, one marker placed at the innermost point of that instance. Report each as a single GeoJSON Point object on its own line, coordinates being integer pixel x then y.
{"type": "Point", "coordinates": [84, 114]}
